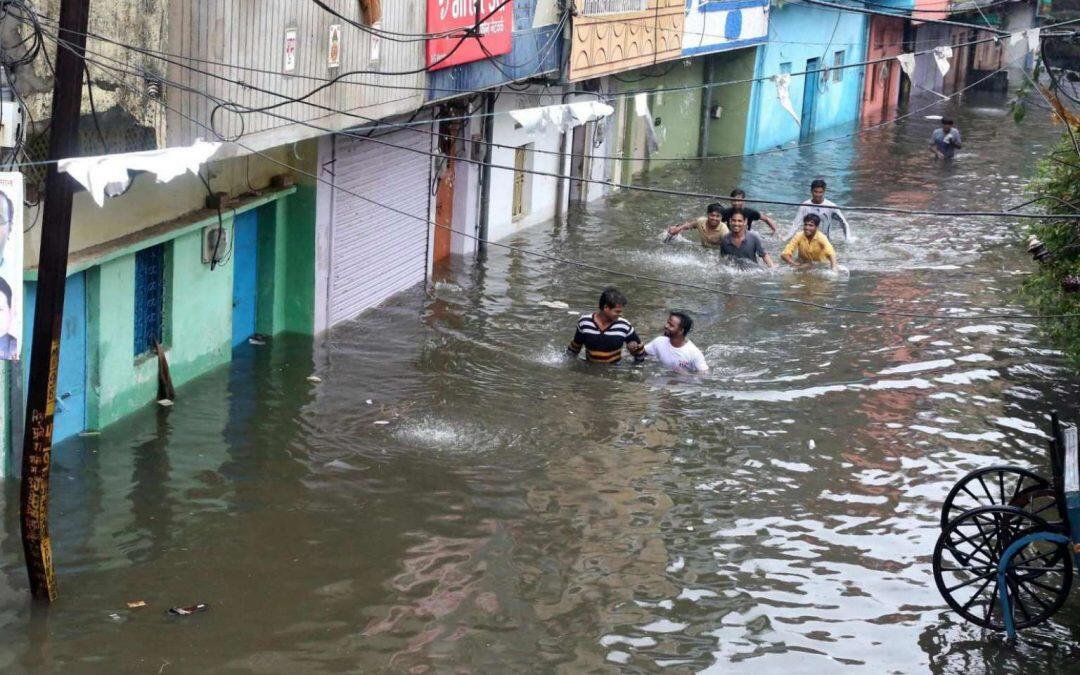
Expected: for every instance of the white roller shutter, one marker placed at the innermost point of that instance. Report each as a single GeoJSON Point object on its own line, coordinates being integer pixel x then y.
{"type": "Point", "coordinates": [375, 252]}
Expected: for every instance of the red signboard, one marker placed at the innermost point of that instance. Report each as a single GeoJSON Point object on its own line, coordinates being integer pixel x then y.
{"type": "Point", "coordinates": [448, 15]}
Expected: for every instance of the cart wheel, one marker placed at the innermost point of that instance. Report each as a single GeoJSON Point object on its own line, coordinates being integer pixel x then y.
{"type": "Point", "coordinates": [999, 486]}
{"type": "Point", "coordinates": [966, 567]}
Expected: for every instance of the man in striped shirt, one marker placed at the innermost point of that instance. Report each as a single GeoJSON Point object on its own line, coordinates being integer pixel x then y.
{"type": "Point", "coordinates": [603, 334]}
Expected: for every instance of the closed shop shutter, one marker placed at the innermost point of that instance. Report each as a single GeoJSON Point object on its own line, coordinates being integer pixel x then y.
{"type": "Point", "coordinates": [375, 252]}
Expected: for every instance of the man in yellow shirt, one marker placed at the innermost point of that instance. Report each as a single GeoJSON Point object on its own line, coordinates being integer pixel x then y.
{"type": "Point", "coordinates": [811, 245]}
{"type": "Point", "coordinates": [711, 227]}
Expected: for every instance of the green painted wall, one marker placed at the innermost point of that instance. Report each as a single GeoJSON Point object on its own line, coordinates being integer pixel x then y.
{"type": "Point", "coordinates": [198, 325]}
{"type": "Point", "coordinates": [678, 112]}
{"type": "Point", "coordinates": [727, 135]}
{"type": "Point", "coordinates": [297, 215]}
{"type": "Point", "coordinates": [198, 308]}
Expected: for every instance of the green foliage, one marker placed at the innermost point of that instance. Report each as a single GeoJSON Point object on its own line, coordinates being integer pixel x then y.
{"type": "Point", "coordinates": [1057, 183]}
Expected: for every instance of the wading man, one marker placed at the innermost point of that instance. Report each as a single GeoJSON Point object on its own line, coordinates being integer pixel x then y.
{"type": "Point", "coordinates": [711, 227]}
{"type": "Point", "coordinates": [674, 350]}
{"type": "Point", "coordinates": [743, 245]}
{"type": "Point", "coordinates": [945, 141]}
{"type": "Point", "coordinates": [825, 210]}
{"type": "Point", "coordinates": [603, 334]}
{"type": "Point", "coordinates": [738, 203]}
{"type": "Point", "coordinates": [811, 246]}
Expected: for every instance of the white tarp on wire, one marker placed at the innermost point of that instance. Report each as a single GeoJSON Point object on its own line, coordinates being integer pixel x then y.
{"type": "Point", "coordinates": [783, 83]}
{"type": "Point", "coordinates": [96, 173]}
{"type": "Point", "coordinates": [561, 117]}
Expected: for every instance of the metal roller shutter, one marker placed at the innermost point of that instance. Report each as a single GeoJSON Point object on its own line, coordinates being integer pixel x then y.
{"type": "Point", "coordinates": [375, 252]}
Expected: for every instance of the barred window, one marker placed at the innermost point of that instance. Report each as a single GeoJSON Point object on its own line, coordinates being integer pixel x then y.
{"type": "Point", "coordinates": [596, 7]}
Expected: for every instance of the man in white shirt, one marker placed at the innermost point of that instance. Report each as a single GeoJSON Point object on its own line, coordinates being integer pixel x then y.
{"type": "Point", "coordinates": [674, 350]}
{"type": "Point", "coordinates": [823, 209]}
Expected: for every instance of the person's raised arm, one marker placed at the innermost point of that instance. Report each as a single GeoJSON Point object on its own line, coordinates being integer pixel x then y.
{"type": "Point", "coordinates": [848, 234]}
{"type": "Point", "coordinates": [770, 222]}
{"type": "Point", "coordinates": [681, 227]}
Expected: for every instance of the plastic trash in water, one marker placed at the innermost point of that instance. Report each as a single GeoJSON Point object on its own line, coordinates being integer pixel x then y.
{"type": "Point", "coordinates": [314, 378]}
{"type": "Point", "coordinates": [136, 604]}
{"type": "Point", "coordinates": [189, 609]}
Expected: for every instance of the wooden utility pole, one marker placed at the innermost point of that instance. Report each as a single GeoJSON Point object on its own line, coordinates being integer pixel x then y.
{"type": "Point", "coordinates": [48, 319]}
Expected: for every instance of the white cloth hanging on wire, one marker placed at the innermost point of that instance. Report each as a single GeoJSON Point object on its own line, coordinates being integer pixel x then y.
{"type": "Point", "coordinates": [97, 173]}
{"type": "Point", "coordinates": [783, 83]}
{"type": "Point", "coordinates": [562, 116]}
{"type": "Point", "coordinates": [942, 56]}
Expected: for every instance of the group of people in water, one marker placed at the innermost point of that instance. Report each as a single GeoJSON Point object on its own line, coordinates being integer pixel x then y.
{"type": "Point", "coordinates": [730, 230]}
{"type": "Point", "coordinates": [603, 335]}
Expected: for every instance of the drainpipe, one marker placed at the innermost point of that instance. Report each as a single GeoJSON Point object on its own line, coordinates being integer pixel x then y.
{"type": "Point", "coordinates": [706, 108]}
{"type": "Point", "coordinates": [485, 174]}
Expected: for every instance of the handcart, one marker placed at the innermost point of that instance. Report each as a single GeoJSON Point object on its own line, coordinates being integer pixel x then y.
{"type": "Point", "coordinates": [1010, 539]}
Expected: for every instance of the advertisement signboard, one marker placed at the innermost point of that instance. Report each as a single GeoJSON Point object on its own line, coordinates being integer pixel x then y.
{"type": "Point", "coordinates": [496, 27]}
{"type": "Point", "coordinates": [11, 264]}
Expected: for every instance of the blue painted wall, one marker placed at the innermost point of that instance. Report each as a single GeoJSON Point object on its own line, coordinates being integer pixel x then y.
{"type": "Point", "coordinates": [245, 261]}
{"type": "Point", "coordinates": [535, 51]}
{"type": "Point", "coordinates": [791, 27]}
{"type": "Point", "coordinates": [69, 417]}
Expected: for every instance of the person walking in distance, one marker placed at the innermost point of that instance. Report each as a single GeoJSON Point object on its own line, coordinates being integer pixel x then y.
{"type": "Point", "coordinates": [945, 140]}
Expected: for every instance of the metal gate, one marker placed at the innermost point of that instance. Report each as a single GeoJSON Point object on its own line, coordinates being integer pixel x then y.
{"type": "Point", "coordinates": [376, 252]}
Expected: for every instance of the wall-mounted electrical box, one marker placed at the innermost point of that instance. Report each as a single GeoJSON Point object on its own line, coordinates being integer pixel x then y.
{"type": "Point", "coordinates": [716, 111]}
{"type": "Point", "coordinates": [215, 244]}
{"type": "Point", "coordinates": [10, 124]}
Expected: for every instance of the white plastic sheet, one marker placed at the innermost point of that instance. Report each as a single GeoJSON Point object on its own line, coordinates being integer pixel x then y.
{"type": "Point", "coordinates": [96, 173]}
{"type": "Point", "coordinates": [641, 109]}
{"type": "Point", "coordinates": [1031, 36]}
{"type": "Point", "coordinates": [561, 117]}
{"type": "Point", "coordinates": [942, 56]}
{"type": "Point", "coordinates": [907, 63]}
{"type": "Point", "coordinates": [783, 83]}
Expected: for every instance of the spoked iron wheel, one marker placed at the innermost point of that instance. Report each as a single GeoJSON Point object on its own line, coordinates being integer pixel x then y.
{"type": "Point", "coordinates": [966, 565]}
{"type": "Point", "coordinates": [1000, 486]}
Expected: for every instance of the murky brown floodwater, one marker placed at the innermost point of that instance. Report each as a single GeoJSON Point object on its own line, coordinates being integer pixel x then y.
{"type": "Point", "coordinates": [520, 513]}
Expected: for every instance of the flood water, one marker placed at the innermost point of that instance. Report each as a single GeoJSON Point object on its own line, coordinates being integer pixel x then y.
{"type": "Point", "coordinates": [456, 496]}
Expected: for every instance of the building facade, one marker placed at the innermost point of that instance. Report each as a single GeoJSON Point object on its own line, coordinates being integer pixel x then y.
{"type": "Point", "coordinates": [812, 89]}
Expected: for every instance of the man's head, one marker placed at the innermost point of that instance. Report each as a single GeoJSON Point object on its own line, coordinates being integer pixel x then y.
{"type": "Point", "coordinates": [737, 221]}
{"type": "Point", "coordinates": [5, 307]}
{"type": "Point", "coordinates": [810, 225]}
{"type": "Point", "coordinates": [7, 217]}
{"type": "Point", "coordinates": [714, 215]}
{"type": "Point", "coordinates": [612, 302]}
{"type": "Point", "coordinates": [738, 198]}
{"type": "Point", "coordinates": [817, 191]}
{"type": "Point", "coordinates": [946, 124]}
{"type": "Point", "coordinates": [678, 326]}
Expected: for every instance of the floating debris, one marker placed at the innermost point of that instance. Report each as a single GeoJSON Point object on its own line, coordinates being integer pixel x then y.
{"type": "Point", "coordinates": [314, 378]}
{"type": "Point", "coordinates": [189, 609]}
{"type": "Point", "coordinates": [136, 604]}
{"type": "Point", "coordinates": [165, 403]}
{"type": "Point", "coordinates": [553, 304]}
{"type": "Point", "coordinates": [381, 422]}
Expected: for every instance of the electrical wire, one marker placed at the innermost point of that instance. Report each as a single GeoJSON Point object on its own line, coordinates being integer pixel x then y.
{"type": "Point", "coordinates": [667, 282]}
{"type": "Point", "coordinates": [426, 122]}
{"type": "Point", "coordinates": [654, 190]}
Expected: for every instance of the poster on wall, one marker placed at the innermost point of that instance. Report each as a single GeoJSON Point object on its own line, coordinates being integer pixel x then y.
{"type": "Point", "coordinates": [496, 28]}
{"type": "Point", "coordinates": [11, 264]}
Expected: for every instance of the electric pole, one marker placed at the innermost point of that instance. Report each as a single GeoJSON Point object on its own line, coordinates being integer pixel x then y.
{"type": "Point", "coordinates": [48, 319]}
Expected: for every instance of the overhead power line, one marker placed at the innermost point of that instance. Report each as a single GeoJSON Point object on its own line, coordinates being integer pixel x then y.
{"type": "Point", "coordinates": [613, 272]}
{"type": "Point", "coordinates": [628, 186]}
